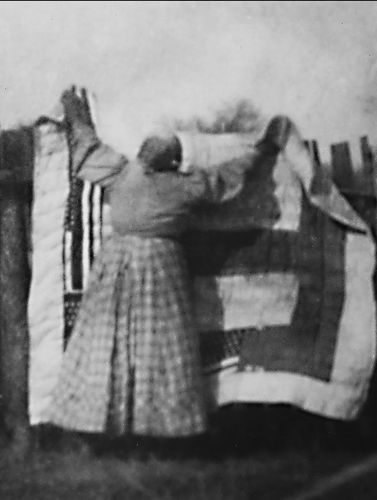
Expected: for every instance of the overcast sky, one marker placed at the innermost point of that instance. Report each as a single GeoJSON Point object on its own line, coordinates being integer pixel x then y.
{"type": "Point", "coordinates": [313, 60]}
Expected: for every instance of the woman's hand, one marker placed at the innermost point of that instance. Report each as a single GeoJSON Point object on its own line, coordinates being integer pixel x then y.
{"type": "Point", "coordinates": [277, 134]}
{"type": "Point", "coordinates": [76, 108]}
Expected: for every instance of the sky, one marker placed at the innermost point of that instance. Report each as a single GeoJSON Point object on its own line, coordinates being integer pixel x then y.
{"type": "Point", "coordinates": [315, 61]}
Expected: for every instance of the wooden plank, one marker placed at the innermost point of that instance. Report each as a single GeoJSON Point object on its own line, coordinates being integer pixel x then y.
{"type": "Point", "coordinates": [342, 166]}
{"type": "Point", "coordinates": [374, 183]}
{"type": "Point", "coordinates": [367, 181]}
{"type": "Point", "coordinates": [313, 151]}
{"type": "Point", "coordinates": [321, 171]}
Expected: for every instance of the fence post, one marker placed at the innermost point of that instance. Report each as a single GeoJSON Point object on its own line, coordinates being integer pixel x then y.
{"type": "Point", "coordinates": [342, 167]}
{"type": "Point", "coordinates": [367, 180]}
{"type": "Point", "coordinates": [14, 288]}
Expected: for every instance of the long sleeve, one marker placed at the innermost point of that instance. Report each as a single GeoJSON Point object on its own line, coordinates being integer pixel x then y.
{"type": "Point", "coordinates": [92, 160]}
{"type": "Point", "coordinates": [226, 181]}
{"type": "Point", "coordinates": [225, 159]}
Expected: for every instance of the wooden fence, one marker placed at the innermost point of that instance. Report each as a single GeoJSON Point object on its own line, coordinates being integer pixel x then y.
{"type": "Point", "coordinates": [356, 179]}
{"type": "Point", "coordinates": [347, 175]}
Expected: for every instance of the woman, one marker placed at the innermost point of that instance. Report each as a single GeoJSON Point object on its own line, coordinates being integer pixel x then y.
{"type": "Point", "coordinates": [132, 362]}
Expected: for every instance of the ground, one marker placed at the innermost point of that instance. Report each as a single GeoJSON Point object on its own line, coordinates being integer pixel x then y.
{"type": "Point", "coordinates": [284, 457]}
{"type": "Point", "coordinates": [73, 477]}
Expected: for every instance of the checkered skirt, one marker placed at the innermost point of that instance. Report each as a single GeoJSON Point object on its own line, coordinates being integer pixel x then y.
{"type": "Point", "coordinates": [132, 362]}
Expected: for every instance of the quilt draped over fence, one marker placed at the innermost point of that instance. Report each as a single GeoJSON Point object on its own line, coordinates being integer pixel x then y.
{"type": "Point", "coordinates": [283, 277]}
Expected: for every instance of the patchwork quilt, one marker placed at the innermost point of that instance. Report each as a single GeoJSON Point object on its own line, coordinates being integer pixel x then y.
{"type": "Point", "coordinates": [283, 278]}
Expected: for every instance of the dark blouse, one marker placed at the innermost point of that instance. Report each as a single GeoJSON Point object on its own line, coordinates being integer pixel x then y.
{"type": "Point", "coordinates": [153, 204]}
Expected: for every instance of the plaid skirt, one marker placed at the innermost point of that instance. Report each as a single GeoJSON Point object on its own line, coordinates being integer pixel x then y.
{"type": "Point", "coordinates": [132, 363]}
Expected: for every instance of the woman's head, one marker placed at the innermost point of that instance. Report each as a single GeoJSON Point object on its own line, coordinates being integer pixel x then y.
{"type": "Point", "coordinates": [160, 153]}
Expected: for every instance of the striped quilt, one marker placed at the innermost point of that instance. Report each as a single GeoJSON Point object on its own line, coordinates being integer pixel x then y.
{"type": "Point", "coordinates": [283, 279]}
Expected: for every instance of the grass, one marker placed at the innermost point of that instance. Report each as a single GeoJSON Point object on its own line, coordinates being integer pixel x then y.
{"type": "Point", "coordinates": [59, 476]}
{"type": "Point", "coordinates": [268, 464]}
